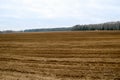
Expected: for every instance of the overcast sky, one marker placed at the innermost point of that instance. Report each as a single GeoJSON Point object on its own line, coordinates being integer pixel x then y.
{"type": "Point", "coordinates": [27, 14]}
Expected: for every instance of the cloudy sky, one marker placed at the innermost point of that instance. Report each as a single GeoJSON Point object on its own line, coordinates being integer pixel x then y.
{"type": "Point", "coordinates": [27, 14]}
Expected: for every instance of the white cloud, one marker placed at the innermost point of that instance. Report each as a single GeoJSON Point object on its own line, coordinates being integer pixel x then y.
{"type": "Point", "coordinates": [49, 8]}
{"type": "Point", "coordinates": [69, 11]}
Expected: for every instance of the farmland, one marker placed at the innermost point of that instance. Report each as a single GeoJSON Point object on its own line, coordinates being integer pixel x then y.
{"type": "Point", "coordinates": [77, 55]}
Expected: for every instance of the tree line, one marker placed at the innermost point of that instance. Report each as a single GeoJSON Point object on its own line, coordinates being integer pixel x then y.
{"type": "Point", "coordinates": [47, 30]}
{"type": "Point", "coordinates": [102, 26]}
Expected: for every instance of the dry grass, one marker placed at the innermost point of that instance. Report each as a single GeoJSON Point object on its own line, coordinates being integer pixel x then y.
{"type": "Point", "coordinates": [60, 56]}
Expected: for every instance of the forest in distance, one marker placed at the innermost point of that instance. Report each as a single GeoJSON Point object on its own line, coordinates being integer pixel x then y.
{"type": "Point", "coordinates": [85, 27]}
